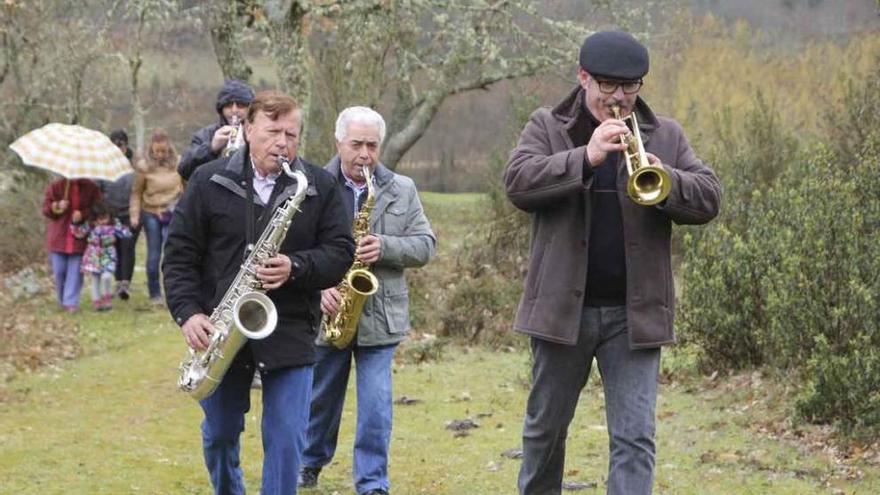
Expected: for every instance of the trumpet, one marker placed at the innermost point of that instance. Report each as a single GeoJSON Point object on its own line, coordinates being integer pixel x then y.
{"type": "Point", "coordinates": [647, 184]}
{"type": "Point", "coordinates": [236, 137]}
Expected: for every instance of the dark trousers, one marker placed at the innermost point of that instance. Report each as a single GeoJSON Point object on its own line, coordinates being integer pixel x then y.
{"type": "Point", "coordinates": [125, 251]}
{"type": "Point", "coordinates": [629, 379]}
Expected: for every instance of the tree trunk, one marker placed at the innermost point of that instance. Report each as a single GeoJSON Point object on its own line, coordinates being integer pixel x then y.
{"type": "Point", "coordinates": [225, 37]}
{"type": "Point", "coordinates": [397, 144]}
{"type": "Point", "coordinates": [289, 50]}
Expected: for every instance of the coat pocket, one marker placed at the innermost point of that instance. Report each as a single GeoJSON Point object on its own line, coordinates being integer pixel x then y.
{"type": "Point", "coordinates": [394, 220]}
{"type": "Point", "coordinates": [395, 303]}
{"type": "Point", "coordinates": [537, 270]}
{"type": "Point", "coordinates": [397, 313]}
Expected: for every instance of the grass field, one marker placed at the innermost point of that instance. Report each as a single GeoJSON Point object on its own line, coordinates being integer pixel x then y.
{"type": "Point", "coordinates": [112, 422]}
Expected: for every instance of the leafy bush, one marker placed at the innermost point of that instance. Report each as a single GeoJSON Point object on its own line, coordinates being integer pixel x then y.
{"type": "Point", "coordinates": [844, 386]}
{"type": "Point", "coordinates": [22, 224]}
{"type": "Point", "coordinates": [483, 300]}
{"type": "Point", "coordinates": [791, 281]}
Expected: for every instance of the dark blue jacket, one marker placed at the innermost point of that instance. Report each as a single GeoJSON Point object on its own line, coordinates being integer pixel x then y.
{"type": "Point", "coordinates": [200, 151]}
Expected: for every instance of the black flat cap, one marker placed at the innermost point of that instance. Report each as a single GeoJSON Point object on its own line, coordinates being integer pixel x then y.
{"type": "Point", "coordinates": [615, 55]}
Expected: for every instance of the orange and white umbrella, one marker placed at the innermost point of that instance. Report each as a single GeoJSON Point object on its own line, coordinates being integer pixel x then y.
{"type": "Point", "coordinates": [72, 152]}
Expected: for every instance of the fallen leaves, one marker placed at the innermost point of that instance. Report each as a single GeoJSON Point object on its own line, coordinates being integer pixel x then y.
{"type": "Point", "coordinates": [461, 426]}
{"type": "Point", "coordinates": [407, 401]}
{"type": "Point", "coordinates": [33, 337]}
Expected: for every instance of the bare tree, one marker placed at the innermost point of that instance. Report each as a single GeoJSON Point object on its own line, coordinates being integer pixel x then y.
{"type": "Point", "coordinates": [139, 17]}
{"type": "Point", "coordinates": [51, 62]}
{"type": "Point", "coordinates": [410, 56]}
{"type": "Point", "coordinates": [228, 20]}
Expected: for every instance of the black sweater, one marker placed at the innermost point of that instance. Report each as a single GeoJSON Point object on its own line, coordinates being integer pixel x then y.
{"type": "Point", "coordinates": [606, 262]}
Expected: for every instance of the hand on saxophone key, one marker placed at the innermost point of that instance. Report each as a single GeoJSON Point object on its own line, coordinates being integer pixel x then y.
{"type": "Point", "coordinates": [330, 301]}
{"type": "Point", "coordinates": [197, 330]}
{"type": "Point", "coordinates": [274, 271]}
{"type": "Point", "coordinates": [369, 248]}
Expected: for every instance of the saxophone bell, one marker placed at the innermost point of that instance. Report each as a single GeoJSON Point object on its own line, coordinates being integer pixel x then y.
{"type": "Point", "coordinates": [254, 315]}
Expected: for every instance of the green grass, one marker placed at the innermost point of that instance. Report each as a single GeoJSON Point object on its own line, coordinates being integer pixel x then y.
{"type": "Point", "coordinates": [113, 422]}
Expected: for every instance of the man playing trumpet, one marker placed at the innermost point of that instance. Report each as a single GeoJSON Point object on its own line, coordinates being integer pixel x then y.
{"type": "Point", "coordinates": [599, 281]}
{"type": "Point", "coordinates": [209, 143]}
{"type": "Point", "coordinates": [399, 237]}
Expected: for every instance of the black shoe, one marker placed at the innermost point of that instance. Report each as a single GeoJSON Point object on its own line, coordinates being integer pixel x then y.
{"type": "Point", "coordinates": [122, 291]}
{"type": "Point", "coordinates": [377, 491]}
{"type": "Point", "coordinates": [308, 477]}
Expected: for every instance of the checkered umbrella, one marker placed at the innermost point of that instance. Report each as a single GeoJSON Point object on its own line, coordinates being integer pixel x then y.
{"type": "Point", "coordinates": [72, 151]}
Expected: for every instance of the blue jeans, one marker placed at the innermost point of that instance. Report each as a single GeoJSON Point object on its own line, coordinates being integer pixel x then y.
{"type": "Point", "coordinates": [286, 394]}
{"type": "Point", "coordinates": [156, 235]}
{"type": "Point", "coordinates": [629, 378]}
{"type": "Point", "coordinates": [373, 435]}
{"type": "Point", "coordinates": [68, 279]}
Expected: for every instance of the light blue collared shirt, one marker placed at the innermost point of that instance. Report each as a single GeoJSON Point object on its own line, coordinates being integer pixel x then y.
{"type": "Point", "coordinates": [263, 185]}
{"type": "Point", "coordinates": [355, 189]}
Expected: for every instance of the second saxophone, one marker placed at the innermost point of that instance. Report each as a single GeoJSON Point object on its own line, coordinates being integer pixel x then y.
{"type": "Point", "coordinates": [357, 285]}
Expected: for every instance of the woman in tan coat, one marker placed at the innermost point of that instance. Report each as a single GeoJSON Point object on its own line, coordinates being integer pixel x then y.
{"type": "Point", "coordinates": [154, 193]}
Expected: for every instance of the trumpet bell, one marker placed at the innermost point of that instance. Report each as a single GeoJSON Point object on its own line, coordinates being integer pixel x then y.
{"type": "Point", "coordinates": [648, 185]}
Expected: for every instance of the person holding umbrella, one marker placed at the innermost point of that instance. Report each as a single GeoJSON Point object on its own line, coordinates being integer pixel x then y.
{"type": "Point", "coordinates": [76, 154]}
{"type": "Point", "coordinates": [67, 202]}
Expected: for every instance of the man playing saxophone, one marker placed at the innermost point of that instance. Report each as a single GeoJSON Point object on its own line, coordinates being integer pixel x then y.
{"type": "Point", "coordinates": [226, 206]}
{"type": "Point", "coordinates": [599, 280]}
{"type": "Point", "coordinates": [399, 237]}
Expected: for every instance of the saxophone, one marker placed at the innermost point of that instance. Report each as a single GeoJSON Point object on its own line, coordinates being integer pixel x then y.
{"type": "Point", "coordinates": [357, 285]}
{"type": "Point", "coordinates": [245, 312]}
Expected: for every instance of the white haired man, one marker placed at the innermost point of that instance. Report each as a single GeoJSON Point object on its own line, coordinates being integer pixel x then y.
{"type": "Point", "coordinates": [400, 237]}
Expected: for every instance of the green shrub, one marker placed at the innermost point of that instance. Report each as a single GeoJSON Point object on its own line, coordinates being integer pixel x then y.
{"type": "Point", "coordinates": [844, 386]}
{"type": "Point", "coordinates": [791, 282]}
{"type": "Point", "coordinates": [482, 302]}
{"type": "Point", "coordinates": [21, 221]}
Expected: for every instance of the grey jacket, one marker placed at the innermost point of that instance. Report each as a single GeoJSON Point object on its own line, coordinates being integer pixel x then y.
{"type": "Point", "coordinates": [546, 176]}
{"type": "Point", "coordinates": [407, 242]}
{"type": "Point", "coordinates": [118, 193]}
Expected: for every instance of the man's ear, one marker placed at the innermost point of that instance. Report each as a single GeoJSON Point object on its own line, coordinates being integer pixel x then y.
{"type": "Point", "coordinates": [583, 77]}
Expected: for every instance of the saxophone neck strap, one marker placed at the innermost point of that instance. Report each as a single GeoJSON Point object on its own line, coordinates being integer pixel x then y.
{"type": "Point", "coordinates": [250, 228]}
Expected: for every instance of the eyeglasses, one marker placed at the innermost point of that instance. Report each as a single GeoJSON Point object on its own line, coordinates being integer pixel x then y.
{"type": "Point", "coordinates": [629, 87]}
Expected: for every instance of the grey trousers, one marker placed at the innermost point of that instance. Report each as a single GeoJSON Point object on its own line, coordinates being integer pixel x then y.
{"type": "Point", "coordinates": [559, 373]}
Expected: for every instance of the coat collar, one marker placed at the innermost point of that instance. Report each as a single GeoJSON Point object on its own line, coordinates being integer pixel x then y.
{"type": "Point", "coordinates": [232, 178]}
{"type": "Point", "coordinates": [572, 108]}
{"type": "Point", "coordinates": [386, 191]}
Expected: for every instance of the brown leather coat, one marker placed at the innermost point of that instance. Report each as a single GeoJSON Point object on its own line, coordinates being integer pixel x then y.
{"type": "Point", "coordinates": [546, 176]}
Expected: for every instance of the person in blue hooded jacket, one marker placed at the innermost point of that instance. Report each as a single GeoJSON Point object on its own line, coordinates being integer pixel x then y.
{"type": "Point", "coordinates": [208, 142]}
